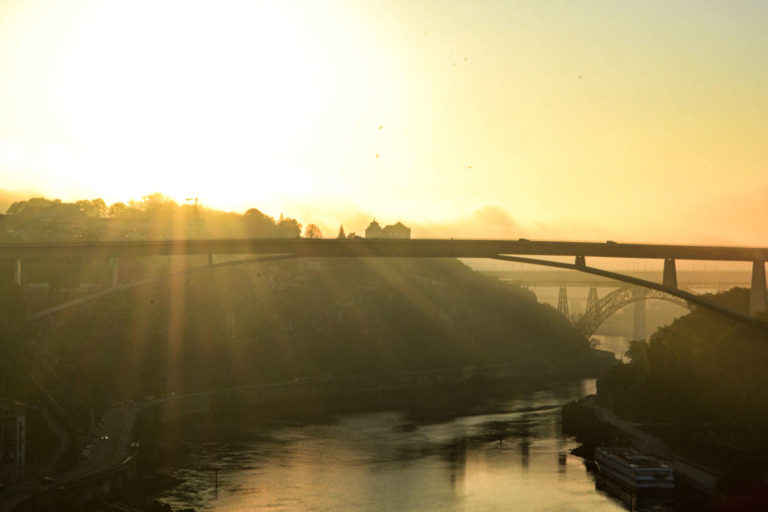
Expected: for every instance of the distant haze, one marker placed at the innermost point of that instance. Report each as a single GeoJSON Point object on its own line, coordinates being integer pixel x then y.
{"type": "Point", "coordinates": [635, 121]}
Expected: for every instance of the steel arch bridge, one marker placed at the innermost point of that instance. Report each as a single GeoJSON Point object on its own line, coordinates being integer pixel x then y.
{"type": "Point", "coordinates": [598, 311]}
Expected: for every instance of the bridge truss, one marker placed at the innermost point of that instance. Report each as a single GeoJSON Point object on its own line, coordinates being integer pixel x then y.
{"type": "Point", "coordinates": [669, 285]}
{"type": "Point", "coordinates": [598, 311]}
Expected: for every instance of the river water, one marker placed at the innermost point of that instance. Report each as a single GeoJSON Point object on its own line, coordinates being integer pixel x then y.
{"type": "Point", "coordinates": [508, 454]}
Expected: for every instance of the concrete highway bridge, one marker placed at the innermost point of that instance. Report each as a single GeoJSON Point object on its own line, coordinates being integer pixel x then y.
{"type": "Point", "coordinates": [521, 251]}
{"type": "Point", "coordinates": [686, 279]}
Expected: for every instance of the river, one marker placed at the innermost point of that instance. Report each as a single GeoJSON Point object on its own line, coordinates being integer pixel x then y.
{"type": "Point", "coordinates": [506, 454]}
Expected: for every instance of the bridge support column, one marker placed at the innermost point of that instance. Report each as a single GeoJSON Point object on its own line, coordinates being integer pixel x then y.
{"type": "Point", "coordinates": [670, 274]}
{"type": "Point", "coordinates": [115, 263]}
{"type": "Point", "coordinates": [17, 277]}
{"type": "Point", "coordinates": [638, 328]}
{"type": "Point", "coordinates": [581, 261]}
{"type": "Point", "coordinates": [592, 299]}
{"type": "Point", "coordinates": [757, 298]}
{"type": "Point", "coordinates": [562, 302]}
{"type": "Point", "coordinates": [211, 261]}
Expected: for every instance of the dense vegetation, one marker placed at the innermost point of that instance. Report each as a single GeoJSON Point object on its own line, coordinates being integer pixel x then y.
{"type": "Point", "coordinates": [292, 319]}
{"type": "Point", "coordinates": [153, 217]}
{"type": "Point", "coordinates": [251, 323]}
{"type": "Point", "coordinates": [704, 375]}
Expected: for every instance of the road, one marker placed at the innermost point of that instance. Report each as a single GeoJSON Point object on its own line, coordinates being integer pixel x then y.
{"type": "Point", "coordinates": [699, 476]}
{"type": "Point", "coordinates": [111, 446]}
{"type": "Point", "coordinates": [402, 248]}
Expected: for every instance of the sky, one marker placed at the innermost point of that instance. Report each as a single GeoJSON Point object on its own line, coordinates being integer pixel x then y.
{"type": "Point", "coordinates": [633, 120]}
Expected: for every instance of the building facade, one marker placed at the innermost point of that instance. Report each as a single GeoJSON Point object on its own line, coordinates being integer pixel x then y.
{"type": "Point", "coordinates": [373, 230]}
{"type": "Point", "coordinates": [399, 230]}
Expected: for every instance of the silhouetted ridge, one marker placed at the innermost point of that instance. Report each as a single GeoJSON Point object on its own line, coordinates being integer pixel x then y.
{"type": "Point", "coordinates": [294, 319]}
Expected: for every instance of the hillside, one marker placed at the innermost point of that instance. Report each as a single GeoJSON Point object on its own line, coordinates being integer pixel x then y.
{"type": "Point", "coordinates": [703, 380]}
{"type": "Point", "coordinates": [293, 319]}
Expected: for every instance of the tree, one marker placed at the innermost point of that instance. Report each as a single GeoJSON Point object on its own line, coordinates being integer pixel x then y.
{"type": "Point", "coordinates": [312, 231]}
{"type": "Point", "coordinates": [92, 208]}
{"type": "Point", "coordinates": [157, 205]}
{"type": "Point", "coordinates": [118, 210]}
{"type": "Point", "coordinates": [17, 208]}
{"type": "Point", "coordinates": [341, 236]}
{"type": "Point", "coordinates": [258, 224]}
{"type": "Point", "coordinates": [42, 209]}
{"type": "Point", "coordinates": [288, 228]}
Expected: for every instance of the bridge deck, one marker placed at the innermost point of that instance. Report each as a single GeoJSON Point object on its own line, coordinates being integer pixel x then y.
{"type": "Point", "coordinates": [431, 248]}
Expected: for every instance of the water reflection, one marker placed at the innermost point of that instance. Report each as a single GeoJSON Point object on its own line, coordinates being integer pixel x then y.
{"type": "Point", "coordinates": [508, 455]}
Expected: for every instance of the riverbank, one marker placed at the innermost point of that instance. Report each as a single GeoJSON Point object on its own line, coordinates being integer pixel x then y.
{"type": "Point", "coordinates": [596, 425]}
{"type": "Point", "coordinates": [430, 397]}
{"type": "Point", "coordinates": [426, 403]}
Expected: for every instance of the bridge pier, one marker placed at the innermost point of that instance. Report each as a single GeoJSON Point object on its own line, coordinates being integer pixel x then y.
{"type": "Point", "coordinates": [638, 327]}
{"type": "Point", "coordinates": [592, 299]}
{"type": "Point", "coordinates": [757, 297]}
{"type": "Point", "coordinates": [211, 261]}
{"type": "Point", "coordinates": [17, 277]}
{"type": "Point", "coordinates": [670, 274]}
{"type": "Point", "coordinates": [581, 261]}
{"type": "Point", "coordinates": [562, 302]}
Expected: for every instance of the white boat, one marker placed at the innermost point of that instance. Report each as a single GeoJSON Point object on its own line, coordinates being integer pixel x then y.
{"type": "Point", "coordinates": [633, 470]}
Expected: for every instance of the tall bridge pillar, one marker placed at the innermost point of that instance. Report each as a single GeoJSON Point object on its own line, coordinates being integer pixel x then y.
{"type": "Point", "coordinates": [757, 298]}
{"type": "Point", "coordinates": [562, 302]}
{"type": "Point", "coordinates": [670, 274]}
{"type": "Point", "coordinates": [638, 328]}
{"type": "Point", "coordinates": [17, 277]}
{"type": "Point", "coordinates": [592, 299]}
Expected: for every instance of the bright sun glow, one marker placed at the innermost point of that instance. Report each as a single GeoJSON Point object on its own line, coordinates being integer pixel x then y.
{"type": "Point", "coordinates": [233, 102]}
{"type": "Point", "coordinates": [153, 86]}
{"type": "Point", "coordinates": [427, 112]}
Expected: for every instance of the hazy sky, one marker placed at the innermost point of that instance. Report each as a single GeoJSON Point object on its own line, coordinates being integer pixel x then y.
{"type": "Point", "coordinates": [641, 120]}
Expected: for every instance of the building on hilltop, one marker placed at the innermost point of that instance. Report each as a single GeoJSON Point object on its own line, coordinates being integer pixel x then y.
{"type": "Point", "coordinates": [12, 437]}
{"type": "Point", "coordinates": [398, 230]}
{"type": "Point", "coordinates": [373, 230]}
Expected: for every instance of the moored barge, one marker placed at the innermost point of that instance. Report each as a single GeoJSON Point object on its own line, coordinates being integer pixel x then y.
{"type": "Point", "coordinates": [634, 471]}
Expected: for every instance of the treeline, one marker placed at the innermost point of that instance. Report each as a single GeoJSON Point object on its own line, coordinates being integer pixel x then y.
{"type": "Point", "coordinates": [153, 217]}
{"type": "Point", "coordinates": [294, 319]}
{"type": "Point", "coordinates": [703, 373]}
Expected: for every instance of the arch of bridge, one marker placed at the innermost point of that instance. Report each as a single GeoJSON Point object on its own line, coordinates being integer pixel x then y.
{"type": "Point", "coordinates": [672, 292]}
{"type": "Point", "coordinates": [617, 299]}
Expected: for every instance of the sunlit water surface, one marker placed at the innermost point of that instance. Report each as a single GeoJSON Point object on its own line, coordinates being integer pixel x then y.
{"type": "Point", "coordinates": [616, 344]}
{"type": "Point", "coordinates": [511, 458]}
